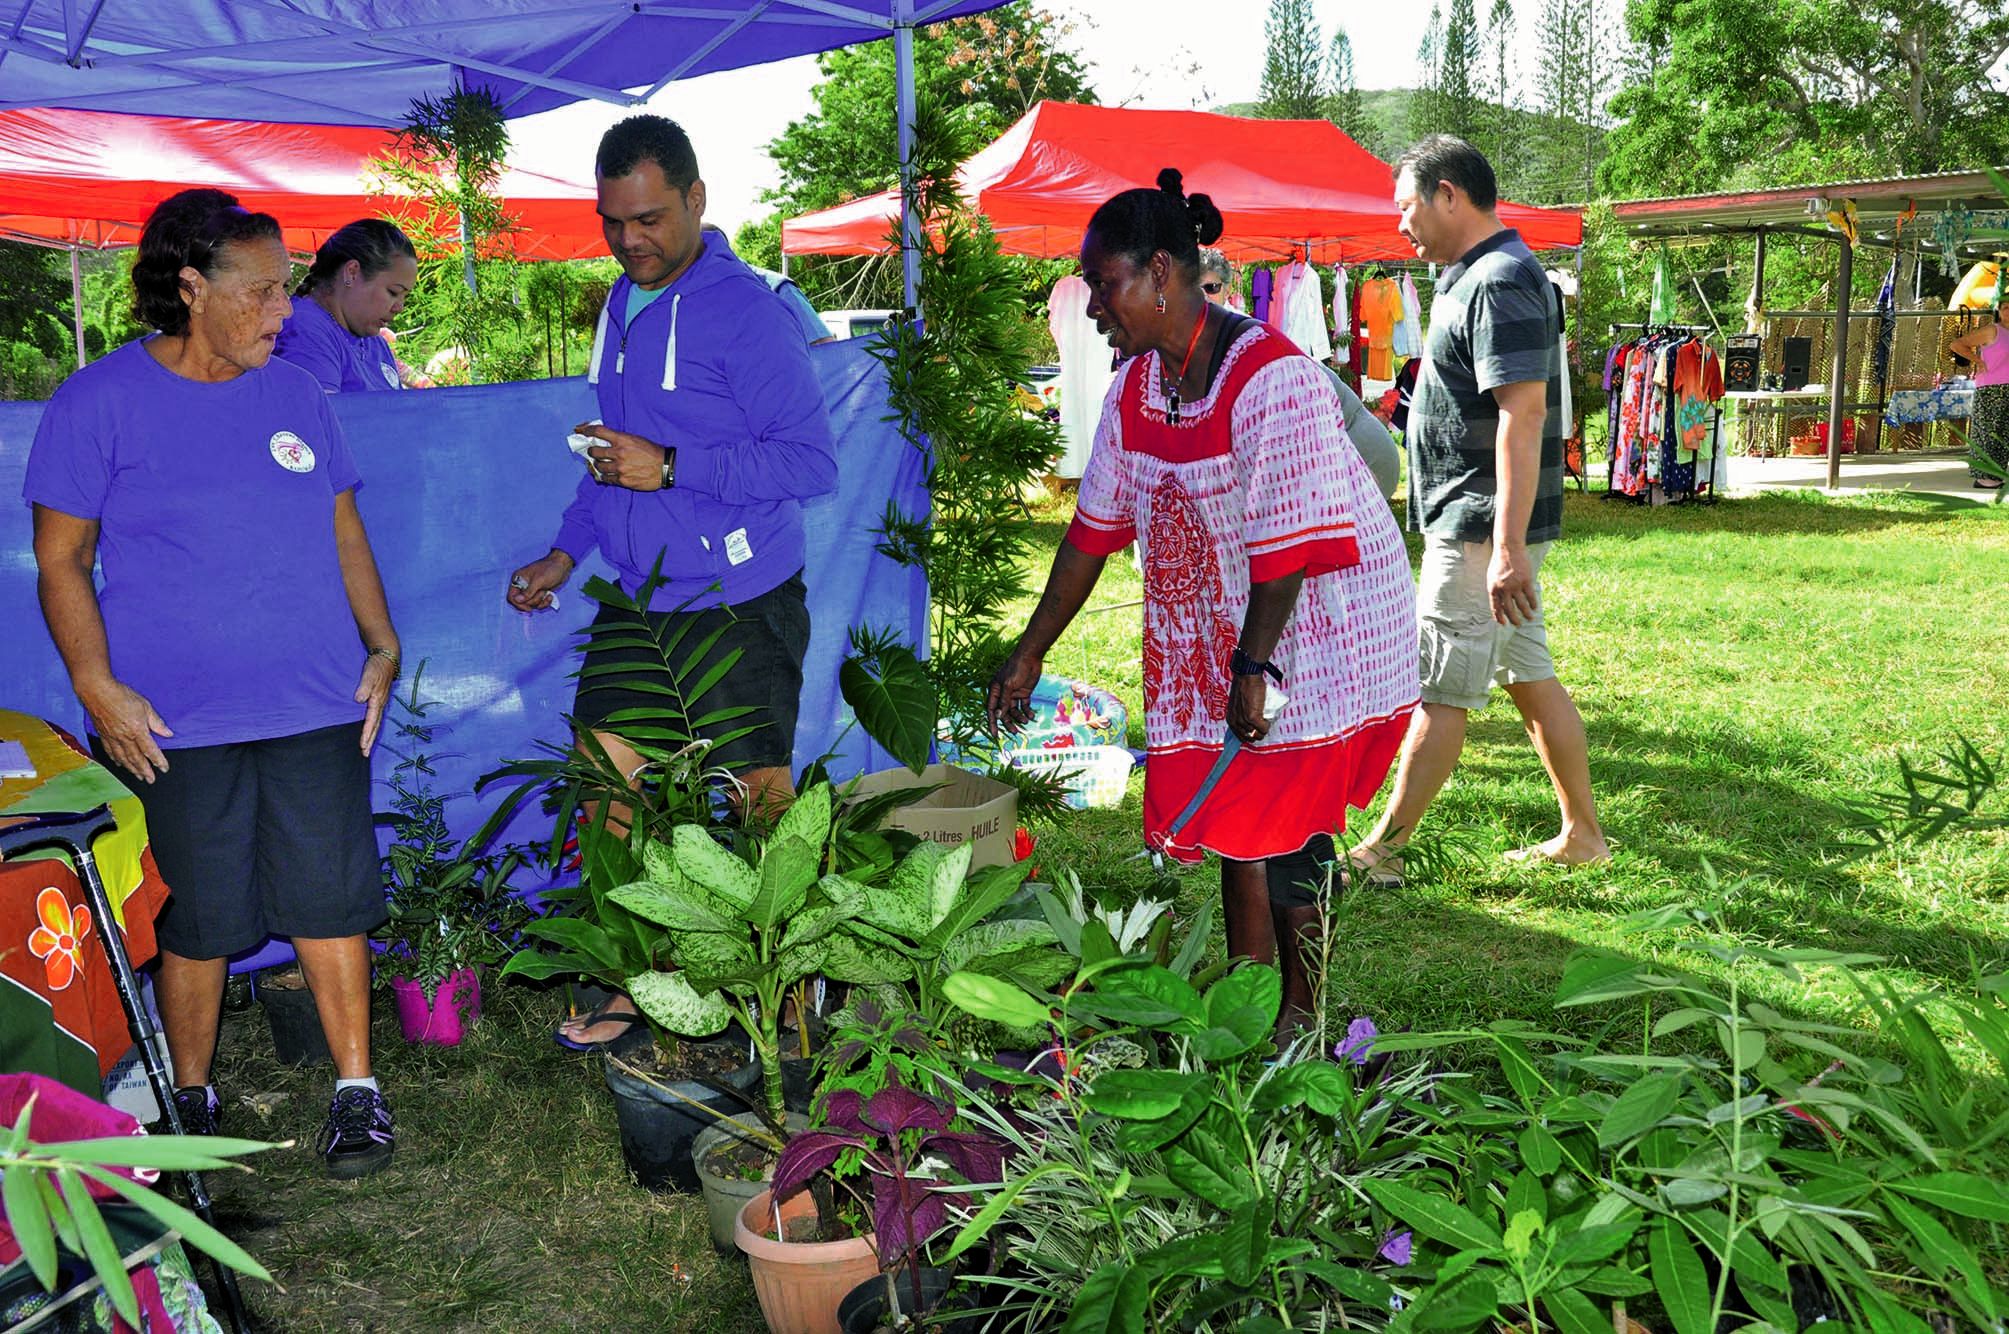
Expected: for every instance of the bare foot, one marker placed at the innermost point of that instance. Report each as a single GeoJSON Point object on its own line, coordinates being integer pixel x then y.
{"type": "Point", "coordinates": [1378, 865]}
{"type": "Point", "coordinates": [1562, 850]}
{"type": "Point", "coordinates": [597, 1025]}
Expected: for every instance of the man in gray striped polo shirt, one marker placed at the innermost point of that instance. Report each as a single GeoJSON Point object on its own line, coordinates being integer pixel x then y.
{"type": "Point", "coordinates": [1486, 487]}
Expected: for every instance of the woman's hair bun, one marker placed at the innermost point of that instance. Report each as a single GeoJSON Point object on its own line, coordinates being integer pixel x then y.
{"type": "Point", "coordinates": [1207, 222]}
{"type": "Point", "coordinates": [1201, 214]}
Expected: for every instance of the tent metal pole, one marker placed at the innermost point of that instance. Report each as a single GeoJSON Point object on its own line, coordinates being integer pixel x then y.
{"type": "Point", "coordinates": [1838, 391]}
{"type": "Point", "coordinates": [467, 253]}
{"type": "Point", "coordinates": [1755, 307]}
{"type": "Point", "coordinates": [77, 302]}
{"type": "Point", "coordinates": [903, 83]}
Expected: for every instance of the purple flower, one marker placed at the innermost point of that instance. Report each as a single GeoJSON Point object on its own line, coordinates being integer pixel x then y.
{"type": "Point", "coordinates": [1397, 1247]}
{"type": "Point", "coordinates": [1360, 1035]}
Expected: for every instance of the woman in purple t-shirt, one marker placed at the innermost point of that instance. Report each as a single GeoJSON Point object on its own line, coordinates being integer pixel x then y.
{"type": "Point", "coordinates": [236, 663]}
{"type": "Point", "coordinates": [358, 284]}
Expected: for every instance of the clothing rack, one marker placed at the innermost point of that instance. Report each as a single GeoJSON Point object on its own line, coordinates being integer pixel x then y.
{"type": "Point", "coordinates": [1612, 330]}
{"type": "Point", "coordinates": [1650, 329]}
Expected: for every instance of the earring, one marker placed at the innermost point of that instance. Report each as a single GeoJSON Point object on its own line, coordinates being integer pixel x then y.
{"type": "Point", "coordinates": [1161, 302]}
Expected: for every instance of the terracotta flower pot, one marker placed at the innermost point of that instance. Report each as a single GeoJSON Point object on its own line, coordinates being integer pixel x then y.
{"type": "Point", "coordinates": [800, 1283]}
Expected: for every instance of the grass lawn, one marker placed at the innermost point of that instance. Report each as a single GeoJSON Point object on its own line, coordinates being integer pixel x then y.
{"type": "Point", "coordinates": [1744, 671]}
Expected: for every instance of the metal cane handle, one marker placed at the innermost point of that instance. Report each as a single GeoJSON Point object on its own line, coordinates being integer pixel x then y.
{"type": "Point", "coordinates": [72, 829]}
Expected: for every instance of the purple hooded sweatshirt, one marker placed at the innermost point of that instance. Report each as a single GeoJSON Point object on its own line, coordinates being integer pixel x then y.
{"type": "Point", "coordinates": [714, 367]}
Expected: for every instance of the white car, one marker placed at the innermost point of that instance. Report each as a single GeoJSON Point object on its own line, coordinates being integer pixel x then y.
{"type": "Point", "coordinates": [855, 323]}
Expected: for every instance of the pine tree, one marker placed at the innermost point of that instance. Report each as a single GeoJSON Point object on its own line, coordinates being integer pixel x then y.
{"type": "Point", "coordinates": [1294, 86]}
{"type": "Point", "coordinates": [1572, 79]}
{"type": "Point", "coordinates": [1425, 113]}
{"type": "Point", "coordinates": [1343, 107]}
{"type": "Point", "coordinates": [1459, 63]}
{"type": "Point", "coordinates": [1500, 138]}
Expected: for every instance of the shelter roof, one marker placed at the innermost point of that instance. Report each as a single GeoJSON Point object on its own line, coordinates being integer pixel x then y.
{"type": "Point", "coordinates": [1879, 204]}
{"type": "Point", "coordinates": [90, 178]}
{"type": "Point", "coordinates": [1282, 185]}
{"type": "Point", "coordinates": [361, 62]}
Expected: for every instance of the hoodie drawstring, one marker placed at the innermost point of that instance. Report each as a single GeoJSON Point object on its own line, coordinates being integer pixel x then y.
{"type": "Point", "coordinates": [670, 348]}
{"type": "Point", "coordinates": [599, 345]}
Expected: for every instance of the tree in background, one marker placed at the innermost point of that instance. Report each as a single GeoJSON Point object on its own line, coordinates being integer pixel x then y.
{"type": "Point", "coordinates": [449, 157]}
{"type": "Point", "coordinates": [1502, 136]}
{"type": "Point", "coordinates": [1765, 92]}
{"type": "Point", "coordinates": [1461, 70]}
{"type": "Point", "coordinates": [1294, 83]}
{"type": "Point", "coordinates": [1344, 107]}
{"type": "Point", "coordinates": [1426, 112]}
{"type": "Point", "coordinates": [990, 68]}
{"type": "Point", "coordinates": [1572, 79]}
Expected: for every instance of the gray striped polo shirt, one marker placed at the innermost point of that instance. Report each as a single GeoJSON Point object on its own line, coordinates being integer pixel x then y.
{"type": "Point", "coordinates": [1494, 321]}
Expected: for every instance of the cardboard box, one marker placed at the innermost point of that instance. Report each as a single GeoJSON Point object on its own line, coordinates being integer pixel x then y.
{"type": "Point", "coordinates": [966, 808]}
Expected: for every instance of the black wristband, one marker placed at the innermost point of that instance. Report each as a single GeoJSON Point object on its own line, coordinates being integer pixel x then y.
{"type": "Point", "coordinates": [1241, 664]}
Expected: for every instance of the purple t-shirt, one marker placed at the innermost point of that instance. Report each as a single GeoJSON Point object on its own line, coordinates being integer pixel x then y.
{"type": "Point", "coordinates": [343, 362]}
{"type": "Point", "coordinates": [222, 593]}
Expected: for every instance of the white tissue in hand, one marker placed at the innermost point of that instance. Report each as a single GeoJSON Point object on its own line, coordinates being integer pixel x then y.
{"type": "Point", "coordinates": [581, 443]}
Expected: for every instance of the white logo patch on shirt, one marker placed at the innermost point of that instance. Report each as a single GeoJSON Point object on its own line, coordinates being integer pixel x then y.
{"type": "Point", "coordinates": [292, 453]}
{"type": "Point", "coordinates": [391, 377]}
{"type": "Point", "coordinates": [737, 549]}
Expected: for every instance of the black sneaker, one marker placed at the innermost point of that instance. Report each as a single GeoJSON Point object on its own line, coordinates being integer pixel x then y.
{"type": "Point", "coordinates": [199, 1110]}
{"type": "Point", "coordinates": [357, 1139]}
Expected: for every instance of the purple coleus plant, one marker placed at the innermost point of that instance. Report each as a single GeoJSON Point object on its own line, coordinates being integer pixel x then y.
{"type": "Point", "coordinates": [895, 1134]}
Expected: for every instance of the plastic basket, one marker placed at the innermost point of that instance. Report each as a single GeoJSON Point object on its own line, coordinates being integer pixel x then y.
{"type": "Point", "coordinates": [1096, 775]}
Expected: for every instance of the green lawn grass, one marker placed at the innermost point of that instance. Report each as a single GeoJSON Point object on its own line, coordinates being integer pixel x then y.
{"type": "Point", "coordinates": [1744, 671]}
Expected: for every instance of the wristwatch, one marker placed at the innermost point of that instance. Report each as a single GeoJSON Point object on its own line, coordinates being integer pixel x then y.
{"type": "Point", "coordinates": [1241, 664]}
{"type": "Point", "coordinates": [669, 467]}
{"type": "Point", "coordinates": [390, 655]}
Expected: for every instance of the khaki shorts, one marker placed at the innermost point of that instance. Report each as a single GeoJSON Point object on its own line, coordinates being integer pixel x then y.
{"type": "Point", "coordinates": [1465, 652]}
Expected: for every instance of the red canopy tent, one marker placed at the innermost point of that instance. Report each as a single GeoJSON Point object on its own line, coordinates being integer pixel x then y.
{"type": "Point", "coordinates": [89, 178]}
{"type": "Point", "coordinates": [1282, 185]}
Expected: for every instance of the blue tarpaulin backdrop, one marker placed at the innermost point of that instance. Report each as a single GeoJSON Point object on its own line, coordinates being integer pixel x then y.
{"type": "Point", "coordinates": [460, 487]}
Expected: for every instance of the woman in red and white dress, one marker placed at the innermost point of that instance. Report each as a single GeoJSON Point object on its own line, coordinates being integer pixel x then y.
{"type": "Point", "coordinates": [1270, 563]}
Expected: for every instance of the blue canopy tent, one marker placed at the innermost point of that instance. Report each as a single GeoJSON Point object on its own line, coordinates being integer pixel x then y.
{"type": "Point", "coordinates": [361, 62]}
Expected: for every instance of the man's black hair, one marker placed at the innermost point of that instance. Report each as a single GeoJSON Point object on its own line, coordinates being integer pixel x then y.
{"type": "Point", "coordinates": [656, 139]}
{"type": "Point", "coordinates": [1445, 157]}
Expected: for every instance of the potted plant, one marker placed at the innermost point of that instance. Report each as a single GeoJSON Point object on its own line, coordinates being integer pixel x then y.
{"type": "Point", "coordinates": [452, 909]}
{"type": "Point", "coordinates": [665, 1090]}
{"type": "Point", "coordinates": [890, 1146]}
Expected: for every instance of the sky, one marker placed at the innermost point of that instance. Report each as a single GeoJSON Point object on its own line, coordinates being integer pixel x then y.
{"type": "Point", "coordinates": [1160, 54]}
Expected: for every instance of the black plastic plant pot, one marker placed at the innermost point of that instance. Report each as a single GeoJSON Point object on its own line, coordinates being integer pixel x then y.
{"type": "Point", "coordinates": [657, 1126]}
{"type": "Point", "coordinates": [863, 1309]}
{"type": "Point", "coordinates": [295, 1021]}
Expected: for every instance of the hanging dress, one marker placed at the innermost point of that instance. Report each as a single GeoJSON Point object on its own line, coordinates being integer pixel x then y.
{"type": "Point", "coordinates": [1256, 481]}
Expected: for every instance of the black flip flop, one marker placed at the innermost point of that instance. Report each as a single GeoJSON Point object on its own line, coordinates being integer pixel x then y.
{"type": "Point", "coordinates": [634, 1031]}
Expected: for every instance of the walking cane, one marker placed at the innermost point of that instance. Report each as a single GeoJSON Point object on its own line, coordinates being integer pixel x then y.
{"type": "Point", "coordinates": [74, 833]}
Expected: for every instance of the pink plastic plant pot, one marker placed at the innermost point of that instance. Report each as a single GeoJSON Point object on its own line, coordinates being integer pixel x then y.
{"type": "Point", "coordinates": [455, 1007]}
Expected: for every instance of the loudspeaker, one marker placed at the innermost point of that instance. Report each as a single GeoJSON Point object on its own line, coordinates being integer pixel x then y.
{"type": "Point", "coordinates": [1740, 363]}
{"type": "Point", "coordinates": [1798, 362]}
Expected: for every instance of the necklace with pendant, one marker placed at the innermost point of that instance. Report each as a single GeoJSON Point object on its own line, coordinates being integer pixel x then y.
{"type": "Point", "coordinates": [1172, 406]}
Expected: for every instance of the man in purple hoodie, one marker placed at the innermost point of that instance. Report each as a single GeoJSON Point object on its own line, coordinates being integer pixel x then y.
{"type": "Point", "coordinates": [714, 434]}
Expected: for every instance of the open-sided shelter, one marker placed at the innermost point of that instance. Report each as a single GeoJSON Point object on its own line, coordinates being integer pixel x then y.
{"type": "Point", "coordinates": [1283, 186]}
{"type": "Point", "coordinates": [89, 179]}
{"type": "Point", "coordinates": [362, 62]}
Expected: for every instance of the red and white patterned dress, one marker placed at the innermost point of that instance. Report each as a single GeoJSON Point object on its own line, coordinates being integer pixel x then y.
{"type": "Point", "coordinates": [1256, 481]}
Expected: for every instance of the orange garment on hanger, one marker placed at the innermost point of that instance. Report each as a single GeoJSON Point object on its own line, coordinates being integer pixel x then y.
{"type": "Point", "coordinates": [1380, 311]}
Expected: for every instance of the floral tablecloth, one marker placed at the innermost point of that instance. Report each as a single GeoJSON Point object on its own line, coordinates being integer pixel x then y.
{"type": "Point", "coordinates": [1907, 407]}
{"type": "Point", "coordinates": [59, 1010]}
